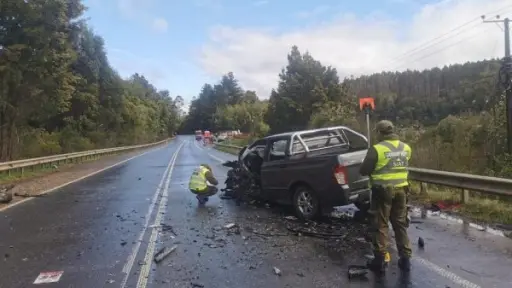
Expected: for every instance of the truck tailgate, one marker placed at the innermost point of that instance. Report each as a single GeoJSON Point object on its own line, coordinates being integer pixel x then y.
{"type": "Point", "coordinates": [352, 162]}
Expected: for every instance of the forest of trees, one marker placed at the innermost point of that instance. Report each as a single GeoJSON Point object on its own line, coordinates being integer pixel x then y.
{"type": "Point", "coordinates": [58, 92]}
{"type": "Point", "coordinates": [453, 116]}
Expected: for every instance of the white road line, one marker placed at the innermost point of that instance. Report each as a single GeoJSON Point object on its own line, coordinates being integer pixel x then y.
{"type": "Point", "coordinates": [81, 178]}
{"type": "Point", "coordinates": [216, 158]}
{"type": "Point", "coordinates": [446, 274]}
{"type": "Point", "coordinates": [131, 258]}
{"type": "Point", "coordinates": [440, 271]}
{"type": "Point", "coordinates": [146, 267]}
{"type": "Point", "coordinates": [213, 156]}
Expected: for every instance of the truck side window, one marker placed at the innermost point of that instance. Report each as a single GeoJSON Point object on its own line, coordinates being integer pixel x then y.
{"type": "Point", "coordinates": [277, 150]}
{"type": "Point", "coordinates": [259, 147]}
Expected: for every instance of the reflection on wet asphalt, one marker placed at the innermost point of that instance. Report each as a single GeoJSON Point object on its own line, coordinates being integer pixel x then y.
{"type": "Point", "coordinates": [103, 232]}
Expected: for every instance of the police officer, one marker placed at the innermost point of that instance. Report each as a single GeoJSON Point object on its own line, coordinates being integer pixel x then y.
{"type": "Point", "coordinates": [198, 184]}
{"type": "Point", "coordinates": [386, 164]}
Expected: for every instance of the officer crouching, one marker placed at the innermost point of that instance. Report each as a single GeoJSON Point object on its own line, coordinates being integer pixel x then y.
{"type": "Point", "coordinates": [386, 163]}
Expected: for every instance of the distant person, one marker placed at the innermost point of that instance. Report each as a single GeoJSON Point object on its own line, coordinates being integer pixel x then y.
{"type": "Point", "coordinates": [386, 163]}
{"type": "Point", "coordinates": [203, 183]}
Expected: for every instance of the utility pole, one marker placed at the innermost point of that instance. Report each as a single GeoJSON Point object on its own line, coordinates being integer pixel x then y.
{"type": "Point", "coordinates": [507, 70]}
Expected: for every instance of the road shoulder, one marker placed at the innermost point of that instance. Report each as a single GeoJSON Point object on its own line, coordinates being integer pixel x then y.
{"type": "Point", "coordinates": [40, 185]}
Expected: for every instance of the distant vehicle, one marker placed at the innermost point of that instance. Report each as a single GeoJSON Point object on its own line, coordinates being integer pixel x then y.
{"type": "Point", "coordinates": [207, 137]}
{"type": "Point", "coordinates": [222, 137]}
{"type": "Point", "coordinates": [199, 135]}
{"type": "Point", "coordinates": [313, 170]}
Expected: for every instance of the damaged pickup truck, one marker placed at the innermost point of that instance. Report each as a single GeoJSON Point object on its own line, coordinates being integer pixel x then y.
{"type": "Point", "coordinates": [313, 170]}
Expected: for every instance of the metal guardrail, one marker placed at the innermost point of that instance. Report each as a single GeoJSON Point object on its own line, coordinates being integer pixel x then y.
{"type": "Point", "coordinates": [20, 164]}
{"type": "Point", "coordinates": [463, 181]}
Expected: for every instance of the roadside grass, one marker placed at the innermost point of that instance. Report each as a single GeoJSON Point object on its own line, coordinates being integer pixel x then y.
{"type": "Point", "coordinates": [479, 207]}
{"type": "Point", "coordinates": [227, 150]}
{"type": "Point", "coordinates": [238, 141]}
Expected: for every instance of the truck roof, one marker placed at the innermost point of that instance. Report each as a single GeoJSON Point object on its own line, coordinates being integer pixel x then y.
{"type": "Point", "coordinates": [311, 131]}
{"type": "Point", "coordinates": [301, 140]}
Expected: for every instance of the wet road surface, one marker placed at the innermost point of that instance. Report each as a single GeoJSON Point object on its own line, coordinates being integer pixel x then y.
{"type": "Point", "coordinates": [103, 232]}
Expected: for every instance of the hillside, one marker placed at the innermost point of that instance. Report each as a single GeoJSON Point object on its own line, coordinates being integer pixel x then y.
{"type": "Point", "coordinates": [426, 97]}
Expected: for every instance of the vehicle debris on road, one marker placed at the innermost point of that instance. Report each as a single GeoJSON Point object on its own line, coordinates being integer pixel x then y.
{"type": "Point", "coordinates": [48, 277]}
{"type": "Point", "coordinates": [357, 271]}
{"type": "Point", "coordinates": [421, 243]}
{"type": "Point", "coordinates": [5, 194]}
{"type": "Point", "coordinates": [230, 225]}
{"type": "Point", "coordinates": [277, 271]}
{"type": "Point", "coordinates": [164, 253]}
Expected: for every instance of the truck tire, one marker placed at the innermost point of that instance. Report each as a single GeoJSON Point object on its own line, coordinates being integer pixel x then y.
{"type": "Point", "coordinates": [305, 203]}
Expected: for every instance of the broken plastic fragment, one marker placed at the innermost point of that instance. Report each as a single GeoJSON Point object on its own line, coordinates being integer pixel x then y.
{"type": "Point", "coordinates": [48, 277]}
{"type": "Point", "coordinates": [229, 226]}
{"type": "Point", "coordinates": [421, 243]}
{"type": "Point", "coordinates": [277, 271]}
{"type": "Point", "coordinates": [357, 271]}
{"type": "Point", "coordinates": [163, 253]}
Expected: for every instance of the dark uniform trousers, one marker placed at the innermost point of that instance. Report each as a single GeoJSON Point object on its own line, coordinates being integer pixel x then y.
{"type": "Point", "coordinates": [209, 191]}
{"type": "Point", "coordinates": [390, 204]}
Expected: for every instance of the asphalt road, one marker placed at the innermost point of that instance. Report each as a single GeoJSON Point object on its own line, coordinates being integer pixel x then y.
{"type": "Point", "coordinates": [103, 232]}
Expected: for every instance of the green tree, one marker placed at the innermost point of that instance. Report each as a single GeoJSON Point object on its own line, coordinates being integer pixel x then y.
{"type": "Point", "coordinates": [58, 91]}
{"type": "Point", "coordinates": [304, 90]}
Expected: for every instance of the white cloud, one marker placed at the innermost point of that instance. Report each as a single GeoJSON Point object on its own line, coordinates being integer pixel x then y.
{"type": "Point", "coordinates": [160, 25]}
{"type": "Point", "coordinates": [359, 45]}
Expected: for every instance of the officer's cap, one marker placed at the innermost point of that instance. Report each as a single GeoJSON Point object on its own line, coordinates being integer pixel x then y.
{"type": "Point", "coordinates": [207, 166]}
{"type": "Point", "coordinates": [385, 127]}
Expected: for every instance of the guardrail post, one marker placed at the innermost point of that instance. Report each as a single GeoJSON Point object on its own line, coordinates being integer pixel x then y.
{"type": "Point", "coordinates": [464, 196]}
{"type": "Point", "coordinates": [423, 189]}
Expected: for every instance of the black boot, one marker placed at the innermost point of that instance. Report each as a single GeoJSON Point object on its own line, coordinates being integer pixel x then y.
{"type": "Point", "coordinates": [404, 263]}
{"type": "Point", "coordinates": [377, 264]}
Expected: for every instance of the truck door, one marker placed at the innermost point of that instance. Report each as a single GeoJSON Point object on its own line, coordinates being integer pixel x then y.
{"type": "Point", "coordinates": [274, 178]}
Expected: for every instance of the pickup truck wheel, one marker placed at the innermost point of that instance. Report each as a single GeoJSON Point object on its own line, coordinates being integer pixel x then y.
{"type": "Point", "coordinates": [306, 203]}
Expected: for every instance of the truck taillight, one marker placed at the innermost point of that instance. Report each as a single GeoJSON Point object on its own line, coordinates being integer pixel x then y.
{"type": "Point", "coordinates": [340, 173]}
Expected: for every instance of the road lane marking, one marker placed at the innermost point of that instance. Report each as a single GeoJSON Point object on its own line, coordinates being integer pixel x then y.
{"type": "Point", "coordinates": [209, 154]}
{"type": "Point", "coordinates": [217, 158]}
{"type": "Point", "coordinates": [439, 270]}
{"type": "Point", "coordinates": [80, 178]}
{"type": "Point", "coordinates": [133, 255]}
{"type": "Point", "coordinates": [146, 266]}
{"type": "Point", "coordinates": [446, 274]}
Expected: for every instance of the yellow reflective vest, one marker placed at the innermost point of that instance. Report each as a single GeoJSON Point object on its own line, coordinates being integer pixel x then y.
{"type": "Point", "coordinates": [392, 161]}
{"type": "Point", "coordinates": [198, 179]}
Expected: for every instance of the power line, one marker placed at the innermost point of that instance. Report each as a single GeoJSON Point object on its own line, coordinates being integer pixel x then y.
{"type": "Point", "coordinates": [426, 44]}
{"type": "Point", "coordinates": [442, 49]}
{"type": "Point", "coordinates": [423, 45]}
